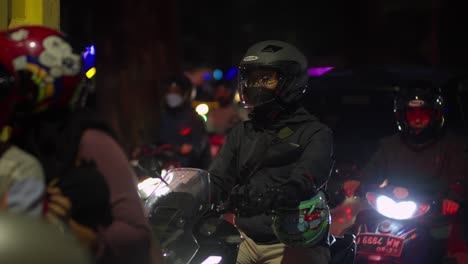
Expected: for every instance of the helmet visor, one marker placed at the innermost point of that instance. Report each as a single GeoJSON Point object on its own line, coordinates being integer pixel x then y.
{"type": "Point", "coordinates": [419, 117]}
{"type": "Point", "coordinates": [259, 85]}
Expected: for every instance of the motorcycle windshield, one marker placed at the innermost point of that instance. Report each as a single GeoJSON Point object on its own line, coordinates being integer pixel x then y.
{"type": "Point", "coordinates": [174, 207]}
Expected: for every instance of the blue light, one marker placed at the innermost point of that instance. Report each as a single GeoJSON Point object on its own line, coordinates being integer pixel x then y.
{"type": "Point", "coordinates": [206, 76]}
{"type": "Point", "coordinates": [92, 50]}
{"type": "Point", "coordinates": [218, 74]}
{"type": "Point", "coordinates": [89, 57]}
{"type": "Point", "coordinates": [231, 74]}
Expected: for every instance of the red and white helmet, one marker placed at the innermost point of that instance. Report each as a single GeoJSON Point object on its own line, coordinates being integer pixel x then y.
{"type": "Point", "coordinates": [38, 71]}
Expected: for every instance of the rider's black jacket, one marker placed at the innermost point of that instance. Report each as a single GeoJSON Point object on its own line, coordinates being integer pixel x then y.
{"type": "Point", "coordinates": [241, 164]}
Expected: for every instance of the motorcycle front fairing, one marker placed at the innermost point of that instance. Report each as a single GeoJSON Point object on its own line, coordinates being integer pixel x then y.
{"type": "Point", "coordinates": [174, 208]}
{"type": "Point", "coordinates": [383, 239]}
{"type": "Point", "coordinates": [396, 229]}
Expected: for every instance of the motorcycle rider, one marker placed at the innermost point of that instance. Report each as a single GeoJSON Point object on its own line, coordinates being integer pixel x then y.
{"type": "Point", "coordinates": [181, 126]}
{"type": "Point", "coordinates": [422, 150]}
{"type": "Point", "coordinates": [272, 79]}
{"type": "Point", "coordinates": [228, 114]}
{"type": "Point", "coordinates": [83, 164]}
{"type": "Point", "coordinates": [22, 181]}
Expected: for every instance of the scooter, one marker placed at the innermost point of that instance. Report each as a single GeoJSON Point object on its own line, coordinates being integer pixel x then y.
{"type": "Point", "coordinates": [191, 229]}
{"type": "Point", "coordinates": [188, 226]}
{"type": "Point", "coordinates": [400, 226]}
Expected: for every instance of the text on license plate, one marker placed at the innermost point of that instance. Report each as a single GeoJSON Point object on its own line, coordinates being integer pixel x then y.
{"type": "Point", "coordinates": [380, 244]}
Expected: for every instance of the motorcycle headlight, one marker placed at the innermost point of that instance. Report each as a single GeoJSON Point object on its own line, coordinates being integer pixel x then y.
{"type": "Point", "coordinates": [396, 210]}
{"type": "Point", "coordinates": [146, 187]}
{"type": "Point", "coordinates": [388, 207]}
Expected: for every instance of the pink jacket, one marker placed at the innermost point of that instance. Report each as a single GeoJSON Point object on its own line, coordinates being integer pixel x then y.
{"type": "Point", "coordinates": [128, 238]}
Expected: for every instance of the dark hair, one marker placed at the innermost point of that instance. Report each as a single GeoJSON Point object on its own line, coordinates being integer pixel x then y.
{"type": "Point", "coordinates": [227, 84]}
{"type": "Point", "coordinates": [181, 80]}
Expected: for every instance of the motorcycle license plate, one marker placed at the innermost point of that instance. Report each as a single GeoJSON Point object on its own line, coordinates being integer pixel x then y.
{"type": "Point", "coordinates": [379, 244]}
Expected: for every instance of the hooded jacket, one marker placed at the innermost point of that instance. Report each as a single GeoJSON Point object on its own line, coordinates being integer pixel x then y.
{"type": "Point", "coordinates": [102, 181]}
{"type": "Point", "coordinates": [246, 147]}
{"type": "Point", "coordinates": [183, 126]}
{"type": "Point", "coordinates": [441, 166]}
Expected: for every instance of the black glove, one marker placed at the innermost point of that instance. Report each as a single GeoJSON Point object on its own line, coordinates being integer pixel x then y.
{"type": "Point", "coordinates": [287, 197]}
{"type": "Point", "coordinates": [266, 200]}
{"type": "Point", "coordinates": [238, 198]}
{"type": "Point", "coordinates": [248, 198]}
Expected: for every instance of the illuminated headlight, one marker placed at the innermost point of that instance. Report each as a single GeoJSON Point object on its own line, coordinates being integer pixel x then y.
{"type": "Point", "coordinates": [212, 260]}
{"type": "Point", "coordinates": [202, 109]}
{"type": "Point", "coordinates": [147, 187]}
{"type": "Point", "coordinates": [396, 210]}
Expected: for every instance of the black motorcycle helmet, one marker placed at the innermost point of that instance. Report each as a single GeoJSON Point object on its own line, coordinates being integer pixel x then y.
{"type": "Point", "coordinates": [419, 112]}
{"type": "Point", "coordinates": [272, 63]}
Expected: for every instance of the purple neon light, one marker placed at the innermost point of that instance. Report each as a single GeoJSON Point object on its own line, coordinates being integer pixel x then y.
{"type": "Point", "coordinates": [318, 71]}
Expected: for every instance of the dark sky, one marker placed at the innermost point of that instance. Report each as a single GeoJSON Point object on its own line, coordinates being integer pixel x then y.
{"type": "Point", "coordinates": [333, 31]}
{"type": "Point", "coordinates": [220, 32]}
{"type": "Point", "coordinates": [328, 31]}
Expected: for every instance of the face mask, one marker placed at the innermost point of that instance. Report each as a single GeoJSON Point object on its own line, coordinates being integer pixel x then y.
{"type": "Point", "coordinates": [257, 96]}
{"type": "Point", "coordinates": [174, 100]}
{"type": "Point", "coordinates": [267, 113]}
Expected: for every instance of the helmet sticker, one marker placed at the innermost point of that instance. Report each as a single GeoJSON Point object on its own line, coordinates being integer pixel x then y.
{"type": "Point", "coordinates": [416, 103]}
{"type": "Point", "coordinates": [314, 219]}
{"type": "Point", "coordinates": [20, 63]}
{"type": "Point", "coordinates": [19, 35]}
{"type": "Point", "coordinates": [250, 58]}
{"type": "Point", "coordinates": [58, 56]}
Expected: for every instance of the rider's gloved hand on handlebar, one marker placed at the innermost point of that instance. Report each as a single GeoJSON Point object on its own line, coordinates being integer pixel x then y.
{"type": "Point", "coordinates": [252, 196]}
{"type": "Point", "coordinates": [286, 197]}
{"type": "Point", "coordinates": [268, 199]}
{"type": "Point", "coordinates": [238, 197]}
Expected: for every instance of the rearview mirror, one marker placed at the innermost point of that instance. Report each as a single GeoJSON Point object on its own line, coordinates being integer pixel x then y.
{"type": "Point", "coordinates": [151, 165]}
